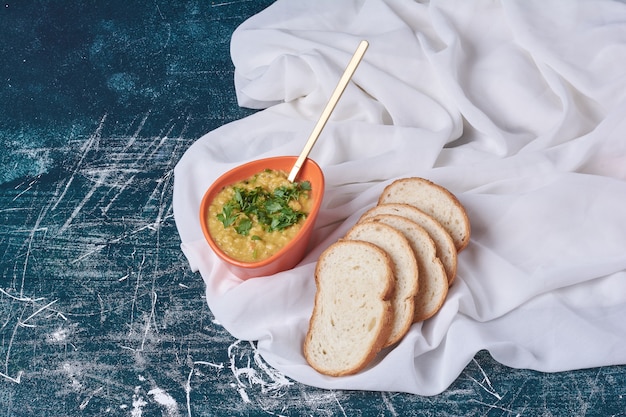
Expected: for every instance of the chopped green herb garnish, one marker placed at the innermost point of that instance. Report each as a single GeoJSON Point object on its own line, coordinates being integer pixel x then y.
{"type": "Point", "coordinates": [227, 217]}
{"type": "Point", "coordinates": [272, 210]}
{"type": "Point", "coordinates": [244, 226]}
{"type": "Point", "coordinates": [305, 186]}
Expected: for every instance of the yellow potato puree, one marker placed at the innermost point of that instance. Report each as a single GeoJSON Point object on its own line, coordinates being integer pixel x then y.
{"type": "Point", "coordinates": [253, 219]}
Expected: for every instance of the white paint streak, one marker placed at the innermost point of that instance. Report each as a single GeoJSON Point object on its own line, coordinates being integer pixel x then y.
{"type": "Point", "coordinates": [85, 402]}
{"type": "Point", "coordinates": [85, 150]}
{"type": "Point", "coordinates": [188, 391]}
{"type": "Point", "coordinates": [138, 404]}
{"type": "Point", "coordinates": [22, 298]}
{"type": "Point", "coordinates": [135, 135]}
{"type": "Point", "coordinates": [214, 365]}
{"type": "Point", "coordinates": [59, 336]}
{"type": "Point", "coordinates": [91, 252]}
{"type": "Point", "coordinates": [388, 404]}
{"type": "Point", "coordinates": [219, 366]}
{"type": "Point", "coordinates": [29, 248]}
{"type": "Point", "coordinates": [134, 301]}
{"type": "Point", "coordinates": [494, 407]}
{"type": "Point", "coordinates": [30, 186]}
{"type": "Point", "coordinates": [488, 387]}
{"type": "Point", "coordinates": [16, 379]}
{"type": "Point", "coordinates": [141, 157]}
{"type": "Point", "coordinates": [98, 248]}
{"type": "Point", "coordinates": [21, 323]}
{"type": "Point", "coordinates": [86, 198]}
{"type": "Point", "coordinates": [167, 401]}
{"type": "Point", "coordinates": [164, 181]}
{"type": "Point", "coordinates": [72, 371]}
{"type": "Point", "coordinates": [46, 307]}
{"type": "Point", "coordinates": [247, 376]}
{"type": "Point", "coordinates": [149, 321]}
{"type": "Point", "coordinates": [244, 395]}
{"type": "Point", "coordinates": [339, 404]}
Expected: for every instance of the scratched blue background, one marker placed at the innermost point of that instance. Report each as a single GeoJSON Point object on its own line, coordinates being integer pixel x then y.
{"type": "Point", "coordinates": [99, 313]}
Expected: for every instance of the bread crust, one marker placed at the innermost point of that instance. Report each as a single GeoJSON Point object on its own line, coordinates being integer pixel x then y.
{"type": "Point", "coordinates": [405, 268]}
{"type": "Point", "coordinates": [384, 321]}
{"type": "Point", "coordinates": [433, 287]}
{"type": "Point", "coordinates": [409, 191]}
{"type": "Point", "coordinates": [446, 249]}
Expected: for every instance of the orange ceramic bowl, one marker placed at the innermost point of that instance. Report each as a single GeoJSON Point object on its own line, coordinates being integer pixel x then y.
{"type": "Point", "coordinates": [292, 253]}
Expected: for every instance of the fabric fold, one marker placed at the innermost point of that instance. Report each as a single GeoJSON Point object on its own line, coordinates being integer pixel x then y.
{"type": "Point", "coordinates": [516, 107]}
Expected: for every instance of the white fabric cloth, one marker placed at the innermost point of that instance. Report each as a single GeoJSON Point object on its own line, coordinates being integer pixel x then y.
{"type": "Point", "coordinates": [518, 107]}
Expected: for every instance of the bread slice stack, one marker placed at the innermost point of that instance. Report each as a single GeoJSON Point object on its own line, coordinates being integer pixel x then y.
{"type": "Point", "coordinates": [393, 268]}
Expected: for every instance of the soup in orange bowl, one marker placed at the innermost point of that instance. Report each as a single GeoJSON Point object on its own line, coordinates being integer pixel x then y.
{"type": "Point", "coordinates": [258, 221]}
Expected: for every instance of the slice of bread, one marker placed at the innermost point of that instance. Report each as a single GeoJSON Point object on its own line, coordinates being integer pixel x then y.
{"type": "Point", "coordinates": [405, 270]}
{"type": "Point", "coordinates": [446, 249]}
{"type": "Point", "coordinates": [352, 314]}
{"type": "Point", "coordinates": [434, 200]}
{"type": "Point", "coordinates": [433, 281]}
